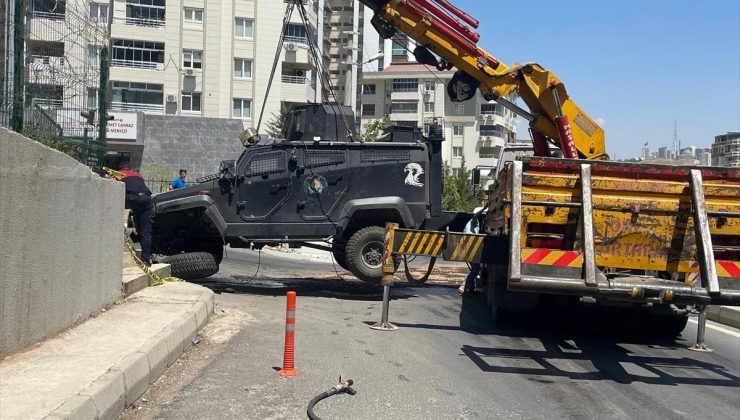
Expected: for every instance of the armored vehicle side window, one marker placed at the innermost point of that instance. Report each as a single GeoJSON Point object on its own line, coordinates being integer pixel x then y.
{"type": "Point", "coordinates": [315, 159]}
{"type": "Point", "coordinates": [265, 164]}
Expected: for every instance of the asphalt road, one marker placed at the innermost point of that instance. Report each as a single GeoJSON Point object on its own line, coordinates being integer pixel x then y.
{"type": "Point", "coordinates": [447, 361]}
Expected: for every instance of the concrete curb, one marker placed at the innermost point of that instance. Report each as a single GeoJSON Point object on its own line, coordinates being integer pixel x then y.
{"type": "Point", "coordinates": [727, 315]}
{"type": "Point", "coordinates": [134, 279]}
{"type": "Point", "coordinates": [124, 383]}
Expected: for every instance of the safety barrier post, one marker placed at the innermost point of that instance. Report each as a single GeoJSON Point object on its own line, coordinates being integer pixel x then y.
{"type": "Point", "coordinates": [699, 345]}
{"type": "Point", "coordinates": [289, 350]}
{"type": "Point", "coordinates": [389, 268]}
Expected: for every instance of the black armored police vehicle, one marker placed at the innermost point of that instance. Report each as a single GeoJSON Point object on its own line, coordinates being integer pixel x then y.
{"type": "Point", "coordinates": [317, 184]}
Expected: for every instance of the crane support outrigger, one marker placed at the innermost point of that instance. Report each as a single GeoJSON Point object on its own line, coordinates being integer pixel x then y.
{"type": "Point", "coordinates": [448, 32]}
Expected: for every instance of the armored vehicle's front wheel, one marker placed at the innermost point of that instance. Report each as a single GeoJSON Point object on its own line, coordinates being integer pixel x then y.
{"type": "Point", "coordinates": [192, 265]}
{"type": "Point", "coordinates": [364, 253]}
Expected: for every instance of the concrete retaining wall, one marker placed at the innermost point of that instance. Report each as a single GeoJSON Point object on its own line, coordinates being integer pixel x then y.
{"type": "Point", "coordinates": [60, 242]}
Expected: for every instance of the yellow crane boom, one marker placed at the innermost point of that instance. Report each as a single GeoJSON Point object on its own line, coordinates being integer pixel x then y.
{"type": "Point", "coordinates": [439, 27]}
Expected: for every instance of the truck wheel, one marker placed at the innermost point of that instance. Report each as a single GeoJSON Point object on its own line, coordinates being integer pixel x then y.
{"type": "Point", "coordinates": [364, 254]}
{"type": "Point", "coordinates": [668, 326]}
{"type": "Point", "coordinates": [503, 303]}
{"type": "Point", "coordinates": [192, 265]}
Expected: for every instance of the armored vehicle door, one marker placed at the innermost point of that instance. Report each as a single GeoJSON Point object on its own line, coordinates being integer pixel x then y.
{"type": "Point", "coordinates": [323, 183]}
{"type": "Point", "coordinates": [265, 185]}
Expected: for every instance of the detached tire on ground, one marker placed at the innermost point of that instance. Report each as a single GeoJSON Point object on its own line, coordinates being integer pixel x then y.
{"type": "Point", "coordinates": [364, 254]}
{"type": "Point", "coordinates": [192, 265]}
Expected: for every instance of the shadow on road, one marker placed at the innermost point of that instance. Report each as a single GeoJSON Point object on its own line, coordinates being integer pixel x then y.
{"type": "Point", "coordinates": [324, 288]}
{"type": "Point", "coordinates": [582, 343]}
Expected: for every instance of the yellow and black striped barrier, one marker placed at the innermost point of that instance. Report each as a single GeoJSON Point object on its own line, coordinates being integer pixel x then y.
{"type": "Point", "coordinates": [465, 247]}
{"type": "Point", "coordinates": [416, 242]}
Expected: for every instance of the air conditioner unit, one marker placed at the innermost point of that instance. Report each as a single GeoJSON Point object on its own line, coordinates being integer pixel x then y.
{"type": "Point", "coordinates": [290, 46]}
{"type": "Point", "coordinates": [171, 98]}
{"type": "Point", "coordinates": [189, 72]}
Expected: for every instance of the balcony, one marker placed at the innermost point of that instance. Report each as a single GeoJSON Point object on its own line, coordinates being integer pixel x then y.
{"type": "Point", "coordinates": [45, 62]}
{"type": "Point", "coordinates": [146, 108]}
{"type": "Point", "coordinates": [297, 89]}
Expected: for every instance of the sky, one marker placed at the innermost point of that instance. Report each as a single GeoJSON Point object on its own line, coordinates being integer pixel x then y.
{"type": "Point", "coordinates": [635, 66]}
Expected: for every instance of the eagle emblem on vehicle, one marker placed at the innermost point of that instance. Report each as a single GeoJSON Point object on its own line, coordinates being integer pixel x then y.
{"type": "Point", "coordinates": [413, 172]}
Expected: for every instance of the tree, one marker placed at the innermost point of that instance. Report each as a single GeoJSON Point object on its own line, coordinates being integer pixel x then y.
{"type": "Point", "coordinates": [372, 130]}
{"type": "Point", "coordinates": [277, 125]}
{"type": "Point", "coordinates": [458, 194]}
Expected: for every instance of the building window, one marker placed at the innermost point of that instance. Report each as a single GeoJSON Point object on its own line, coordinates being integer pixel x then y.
{"type": "Point", "coordinates": [192, 59]}
{"type": "Point", "coordinates": [492, 130]}
{"type": "Point", "coordinates": [137, 54]}
{"type": "Point", "coordinates": [368, 110]}
{"type": "Point", "coordinates": [456, 172]}
{"type": "Point", "coordinates": [368, 89]}
{"type": "Point", "coordinates": [457, 151]}
{"type": "Point", "coordinates": [405, 85]}
{"type": "Point", "coordinates": [460, 109]}
{"type": "Point", "coordinates": [151, 96]}
{"type": "Point", "coordinates": [296, 33]}
{"type": "Point", "coordinates": [193, 16]}
{"type": "Point", "coordinates": [405, 107]}
{"type": "Point", "coordinates": [243, 28]}
{"type": "Point", "coordinates": [458, 130]}
{"type": "Point", "coordinates": [93, 55]}
{"type": "Point", "coordinates": [98, 12]}
{"type": "Point", "coordinates": [399, 48]}
{"type": "Point", "coordinates": [430, 85]}
{"type": "Point", "coordinates": [92, 98]}
{"type": "Point", "coordinates": [242, 68]}
{"type": "Point", "coordinates": [47, 9]}
{"type": "Point", "coordinates": [145, 12]}
{"type": "Point", "coordinates": [242, 108]}
{"type": "Point", "coordinates": [491, 109]}
{"type": "Point", "coordinates": [429, 107]}
{"type": "Point", "coordinates": [191, 101]}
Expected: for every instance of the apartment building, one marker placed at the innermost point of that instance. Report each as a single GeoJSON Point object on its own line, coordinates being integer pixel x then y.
{"type": "Point", "coordinates": [726, 150]}
{"type": "Point", "coordinates": [351, 46]}
{"type": "Point", "coordinates": [409, 93]}
{"type": "Point", "coordinates": [174, 57]}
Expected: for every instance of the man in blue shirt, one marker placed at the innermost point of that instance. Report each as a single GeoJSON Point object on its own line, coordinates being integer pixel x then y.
{"type": "Point", "coordinates": [473, 226]}
{"type": "Point", "coordinates": [179, 182]}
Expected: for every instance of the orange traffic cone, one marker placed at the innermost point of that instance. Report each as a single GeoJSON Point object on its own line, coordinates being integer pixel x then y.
{"type": "Point", "coordinates": [289, 351]}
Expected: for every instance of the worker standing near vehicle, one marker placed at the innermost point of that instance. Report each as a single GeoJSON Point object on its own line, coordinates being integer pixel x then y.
{"type": "Point", "coordinates": [179, 182]}
{"type": "Point", "coordinates": [473, 226]}
{"type": "Point", "coordinates": [139, 200]}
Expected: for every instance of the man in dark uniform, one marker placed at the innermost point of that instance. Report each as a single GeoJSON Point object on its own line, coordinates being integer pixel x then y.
{"type": "Point", "coordinates": [139, 199]}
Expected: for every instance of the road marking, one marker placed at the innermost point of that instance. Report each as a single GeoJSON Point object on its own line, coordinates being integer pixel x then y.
{"type": "Point", "coordinates": [718, 328]}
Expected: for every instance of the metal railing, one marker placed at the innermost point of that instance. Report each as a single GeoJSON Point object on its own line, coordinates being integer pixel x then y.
{"type": "Point", "coordinates": [296, 39]}
{"type": "Point", "coordinates": [152, 23]}
{"type": "Point", "coordinates": [48, 103]}
{"type": "Point", "coordinates": [130, 64]}
{"type": "Point", "coordinates": [298, 80]}
{"type": "Point", "coordinates": [130, 106]}
{"type": "Point", "coordinates": [47, 15]}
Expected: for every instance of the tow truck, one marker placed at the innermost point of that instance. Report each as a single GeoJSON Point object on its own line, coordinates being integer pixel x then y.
{"type": "Point", "coordinates": [656, 238]}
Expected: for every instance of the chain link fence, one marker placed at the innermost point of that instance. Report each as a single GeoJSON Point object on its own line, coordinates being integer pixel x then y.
{"type": "Point", "coordinates": [53, 57]}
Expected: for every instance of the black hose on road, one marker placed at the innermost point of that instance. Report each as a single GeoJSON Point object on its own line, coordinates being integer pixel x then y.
{"type": "Point", "coordinates": [344, 386]}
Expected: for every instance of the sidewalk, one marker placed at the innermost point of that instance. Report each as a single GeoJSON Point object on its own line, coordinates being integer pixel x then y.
{"type": "Point", "coordinates": [727, 315]}
{"type": "Point", "coordinates": [99, 367]}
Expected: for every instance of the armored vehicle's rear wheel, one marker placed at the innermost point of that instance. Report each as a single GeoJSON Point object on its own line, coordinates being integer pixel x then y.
{"type": "Point", "coordinates": [192, 265]}
{"type": "Point", "coordinates": [364, 253]}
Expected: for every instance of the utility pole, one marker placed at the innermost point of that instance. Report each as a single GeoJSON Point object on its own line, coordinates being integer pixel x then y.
{"type": "Point", "coordinates": [676, 143]}
{"type": "Point", "coordinates": [19, 34]}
